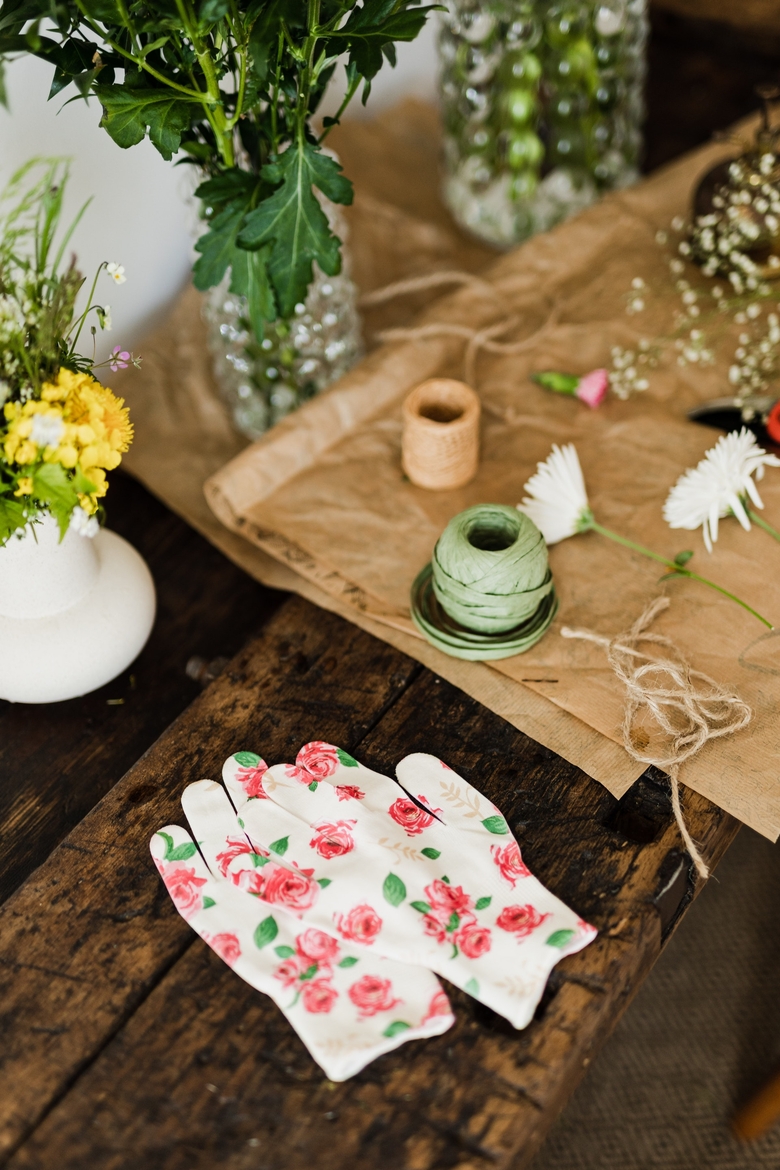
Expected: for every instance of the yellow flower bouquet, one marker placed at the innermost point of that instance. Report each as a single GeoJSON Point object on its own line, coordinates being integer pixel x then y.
{"type": "Point", "coordinates": [61, 430]}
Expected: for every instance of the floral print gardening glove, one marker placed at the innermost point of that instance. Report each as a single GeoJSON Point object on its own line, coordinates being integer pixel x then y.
{"type": "Point", "coordinates": [348, 1007]}
{"type": "Point", "coordinates": [427, 874]}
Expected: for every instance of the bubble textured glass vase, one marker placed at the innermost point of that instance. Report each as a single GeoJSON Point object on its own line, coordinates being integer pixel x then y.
{"type": "Point", "coordinates": [262, 381]}
{"type": "Point", "coordinates": [542, 108]}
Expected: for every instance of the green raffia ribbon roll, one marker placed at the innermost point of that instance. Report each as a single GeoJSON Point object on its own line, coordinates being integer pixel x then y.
{"type": "Point", "coordinates": [488, 592]}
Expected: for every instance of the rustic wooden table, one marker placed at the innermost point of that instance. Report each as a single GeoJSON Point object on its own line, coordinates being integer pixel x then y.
{"type": "Point", "coordinates": [125, 1044]}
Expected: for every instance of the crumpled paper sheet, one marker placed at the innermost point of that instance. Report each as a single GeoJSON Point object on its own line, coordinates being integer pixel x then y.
{"type": "Point", "coordinates": [324, 494]}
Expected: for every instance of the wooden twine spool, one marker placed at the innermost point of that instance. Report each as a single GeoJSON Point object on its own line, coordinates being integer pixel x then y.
{"type": "Point", "coordinates": [440, 448]}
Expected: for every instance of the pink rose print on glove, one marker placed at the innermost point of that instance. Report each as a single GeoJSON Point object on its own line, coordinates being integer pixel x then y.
{"type": "Point", "coordinates": [319, 996]}
{"type": "Point", "coordinates": [448, 899]}
{"type": "Point", "coordinates": [371, 995]}
{"type": "Point", "coordinates": [317, 947]}
{"type": "Point", "coordinates": [226, 946]}
{"type": "Point", "coordinates": [510, 862]}
{"type": "Point", "coordinates": [285, 887]}
{"type": "Point", "coordinates": [251, 780]}
{"type": "Point", "coordinates": [361, 925]}
{"type": "Point", "coordinates": [520, 920]}
{"type": "Point", "coordinates": [349, 792]}
{"type": "Point", "coordinates": [439, 1006]}
{"type": "Point", "coordinates": [410, 817]}
{"type": "Point", "coordinates": [450, 918]}
{"type": "Point", "coordinates": [183, 886]}
{"type": "Point", "coordinates": [333, 838]}
{"type": "Point", "coordinates": [236, 847]}
{"type": "Point", "coordinates": [314, 762]}
{"type": "Point", "coordinates": [474, 941]}
{"type": "Point", "coordinates": [290, 970]}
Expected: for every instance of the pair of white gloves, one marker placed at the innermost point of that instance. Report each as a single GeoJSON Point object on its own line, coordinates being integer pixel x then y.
{"type": "Point", "coordinates": [338, 893]}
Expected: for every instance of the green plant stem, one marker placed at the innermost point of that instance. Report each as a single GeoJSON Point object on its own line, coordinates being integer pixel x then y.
{"type": "Point", "coordinates": [233, 122]}
{"type": "Point", "coordinates": [759, 520]}
{"type": "Point", "coordinates": [83, 317]}
{"type": "Point", "coordinates": [351, 91]}
{"type": "Point", "coordinates": [675, 568]}
{"type": "Point", "coordinates": [212, 100]}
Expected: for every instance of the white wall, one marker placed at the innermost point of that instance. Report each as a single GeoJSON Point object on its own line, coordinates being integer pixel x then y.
{"type": "Point", "coordinates": [141, 216]}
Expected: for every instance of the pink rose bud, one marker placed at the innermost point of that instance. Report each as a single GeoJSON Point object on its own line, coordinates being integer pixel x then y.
{"type": "Point", "coordinates": [592, 388]}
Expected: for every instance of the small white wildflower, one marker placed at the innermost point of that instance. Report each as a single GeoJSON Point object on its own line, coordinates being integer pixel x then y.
{"type": "Point", "coordinates": [116, 272]}
{"type": "Point", "coordinates": [557, 501]}
{"type": "Point", "coordinates": [637, 282]}
{"type": "Point", "coordinates": [678, 223]}
{"type": "Point", "coordinates": [47, 429]}
{"type": "Point", "coordinates": [720, 484]}
{"type": "Point", "coordinates": [717, 292]}
{"type": "Point", "coordinates": [753, 311]}
{"type": "Point", "coordinates": [83, 523]}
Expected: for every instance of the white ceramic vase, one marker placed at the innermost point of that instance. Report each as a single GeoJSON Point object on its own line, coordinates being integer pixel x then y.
{"type": "Point", "coordinates": [73, 613]}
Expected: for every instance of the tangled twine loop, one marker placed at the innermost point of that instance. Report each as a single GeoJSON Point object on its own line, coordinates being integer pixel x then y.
{"type": "Point", "coordinates": [689, 707]}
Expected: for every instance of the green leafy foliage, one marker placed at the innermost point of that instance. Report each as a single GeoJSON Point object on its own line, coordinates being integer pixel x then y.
{"type": "Point", "coordinates": [348, 961]}
{"type": "Point", "coordinates": [284, 952]}
{"type": "Point", "coordinates": [217, 81]}
{"type": "Point", "coordinates": [323, 883]}
{"type": "Point", "coordinates": [280, 846]}
{"type": "Point", "coordinates": [181, 852]}
{"type": "Point", "coordinates": [346, 759]}
{"type": "Point", "coordinates": [423, 907]}
{"type": "Point", "coordinates": [483, 903]}
{"type": "Point", "coordinates": [554, 380]}
{"type": "Point", "coordinates": [432, 853]}
{"type": "Point", "coordinates": [394, 889]}
{"type": "Point", "coordinates": [208, 903]}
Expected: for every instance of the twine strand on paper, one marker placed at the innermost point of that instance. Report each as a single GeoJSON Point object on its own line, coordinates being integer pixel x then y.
{"type": "Point", "coordinates": [688, 706]}
{"type": "Point", "coordinates": [399, 288]}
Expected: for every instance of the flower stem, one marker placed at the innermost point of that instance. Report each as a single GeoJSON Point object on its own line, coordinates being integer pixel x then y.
{"type": "Point", "coordinates": [680, 570]}
{"type": "Point", "coordinates": [759, 520]}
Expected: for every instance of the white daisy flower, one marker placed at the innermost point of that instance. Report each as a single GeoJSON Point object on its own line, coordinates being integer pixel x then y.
{"type": "Point", "coordinates": [557, 501]}
{"type": "Point", "coordinates": [720, 485]}
{"type": "Point", "coordinates": [116, 272]}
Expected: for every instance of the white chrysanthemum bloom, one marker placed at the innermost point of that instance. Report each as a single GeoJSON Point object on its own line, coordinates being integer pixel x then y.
{"type": "Point", "coordinates": [83, 523]}
{"type": "Point", "coordinates": [47, 429]}
{"type": "Point", "coordinates": [557, 501]}
{"type": "Point", "coordinates": [718, 485]}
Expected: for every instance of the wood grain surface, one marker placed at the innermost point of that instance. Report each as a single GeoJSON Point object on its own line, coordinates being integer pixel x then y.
{"type": "Point", "coordinates": [128, 1044]}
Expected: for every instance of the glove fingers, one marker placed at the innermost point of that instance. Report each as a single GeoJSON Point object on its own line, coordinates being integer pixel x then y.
{"type": "Point", "coordinates": [215, 825]}
{"type": "Point", "coordinates": [451, 798]}
{"type": "Point", "coordinates": [243, 774]}
{"type": "Point", "coordinates": [347, 1008]}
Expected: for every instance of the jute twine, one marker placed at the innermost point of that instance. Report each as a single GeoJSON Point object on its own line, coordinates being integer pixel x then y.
{"type": "Point", "coordinates": [688, 707]}
{"type": "Point", "coordinates": [440, 446]}
{"type": "Point", "coordinates": [478, 340]}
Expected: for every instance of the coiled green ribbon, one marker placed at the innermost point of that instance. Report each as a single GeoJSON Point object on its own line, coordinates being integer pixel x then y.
{"type": "Point", "coordinates": [488, 592]}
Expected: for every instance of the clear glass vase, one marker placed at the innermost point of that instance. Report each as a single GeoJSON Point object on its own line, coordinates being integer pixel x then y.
{"type": "Point", "coordinates": [262, 381]}
{"type": "Point", "coordinates": [542, 108]}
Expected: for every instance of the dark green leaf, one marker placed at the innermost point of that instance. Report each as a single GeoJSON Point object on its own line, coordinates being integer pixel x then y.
{"type": "Point", "coordinates": [249, 278]}
{"type": "Point", "coordinates": [217, 247]}
{"type": "Point", "coordinates": [395, 1028]}
{"type": "Point", "coordinates": [453, 923]}
{"type": "Point", "coordinates": [313, 786]}
{"type": "Point", "coordinates": [394, 890]}
{"type": "Point", "coordinates": [258, 861]}
{"type": "Point", "coordinates": [228, 185]}
{"type": "Point", "coordinates": [373, 26]}
{"type": "Point", "coordinates": [483, 903]}
{"type": "Point", "coordinates": [323, 883]}
{"type": "Point", "coordinates": [309, 973]}
{"type": "Point", "coordinates": [423, 907]}
{"type": "Point", "coordinates": [293, 223]}
{"type": "Point", "coordinates": [496, 825]}
{"type": "Point", "coordinates": [210, 11]}
{"type": "Point", "coordinates": [284, 952]}
{"type": "Point", "coordinates": [349, 961]}
{"type": "Point", "coordinates": [346, 759]}
{"type": "Point", "coordinates": [168, 839]}
{"type": "Point", "coordinates": [280, 846]}
{"type": "Point", "coordinates": [208, 903]}
{"type": "Point", "coordinates": [13, 516]}
{"type": "Point", "coordinates": [129, 113]}
{"type": "Point", "coordinates": [432, 853]}
{"type": "Point", "coordinates": [560, 938]}
{"type": "Point", "coordinates": [266, 932]}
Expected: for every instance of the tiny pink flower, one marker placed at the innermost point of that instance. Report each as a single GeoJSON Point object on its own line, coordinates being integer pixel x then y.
{"type": "Point", "coordinates": [349, 792]}
{"type": "Point", "coordinates": [119, 359]}
{"type": "Point", "coordinates": [439, 1006]}
{"type": "Point", "coordinates": [592, 388]}
{"type": "Point", "coordinates": [317, 947]}
{"type": "Point", "coordinates": [371, 995]}
{"type": "Point", "coordinates": [333, 838]}
{"type": "Point", "coordinates": [315, 761]}
{"type": "Point", "coordinates": [510, 862]}
{"type": "Point", "coordinates": [362, 924]}
{"type": "Point", "coordinates": [520, 920]}
{"type": "Point", "coordinates": [183, 886]}
{"type": "Point", "coordinates": [319, 996]}
{"type": "Point", "coordinates": [474, 941]}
